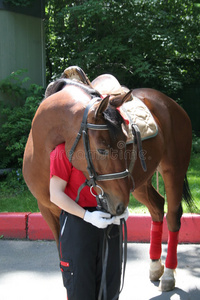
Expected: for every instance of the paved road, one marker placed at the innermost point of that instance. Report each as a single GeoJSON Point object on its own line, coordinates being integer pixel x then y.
{"type": "Point", "coordinates": [29, 270]}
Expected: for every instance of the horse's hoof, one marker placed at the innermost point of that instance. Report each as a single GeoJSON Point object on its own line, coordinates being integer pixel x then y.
{"type": "Point", "coordinates": [156, 270]}
{"type": "Point", "coordinates": [167, 282]}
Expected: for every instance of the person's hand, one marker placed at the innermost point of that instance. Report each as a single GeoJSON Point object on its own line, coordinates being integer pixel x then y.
{"type": "Point", "coordinates": [125, 216]}
{"type": "Point", "coordinates": [99, 219]}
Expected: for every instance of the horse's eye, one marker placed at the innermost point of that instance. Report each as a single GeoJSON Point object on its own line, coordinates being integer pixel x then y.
{"type": "Point", "coordinates": [103, 151]}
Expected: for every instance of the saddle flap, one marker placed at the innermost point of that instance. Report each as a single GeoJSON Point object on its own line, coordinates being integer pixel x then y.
{"type": "Point", "coordinates": [139, 114]}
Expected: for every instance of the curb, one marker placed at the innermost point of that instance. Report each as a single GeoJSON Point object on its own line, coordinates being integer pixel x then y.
{"type": "Point", "coordinates": [32, 226]}
{"type": "Point", "coordinates": [13, 225]}
{"type": "Point", "coordinates": [38, 228]}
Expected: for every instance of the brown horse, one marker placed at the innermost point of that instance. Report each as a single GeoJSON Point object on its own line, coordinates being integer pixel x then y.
{"type": "Point", "coordinates": [72, 111]}
{"type": "Point", "coordinates": [58, 120]}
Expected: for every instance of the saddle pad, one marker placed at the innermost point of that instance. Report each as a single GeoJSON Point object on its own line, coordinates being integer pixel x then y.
{"type": "Point", "coordinates": [138, 113]}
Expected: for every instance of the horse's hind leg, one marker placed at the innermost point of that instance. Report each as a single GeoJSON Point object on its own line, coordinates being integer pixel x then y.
{"type": "Point", "coordinates": [147, 195]}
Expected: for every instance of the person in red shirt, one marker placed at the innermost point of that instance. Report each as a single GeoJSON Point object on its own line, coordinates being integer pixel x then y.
{"type": "Point", "coordinates": [81, 233]}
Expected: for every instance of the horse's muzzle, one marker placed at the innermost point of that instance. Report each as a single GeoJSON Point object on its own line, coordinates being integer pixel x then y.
{"type": "Point", "coordinates": [120, 209]}
{"type": "Point", "coordinates": [107, 205]}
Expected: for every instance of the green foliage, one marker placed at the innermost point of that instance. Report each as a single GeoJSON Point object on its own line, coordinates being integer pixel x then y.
{"type": "Point", "coordinates": [152, 43]}
{"type": "Point", "coordinates": [13, 87]}
{"type": "Point", "coordinates": [195, 144]}
{"type": "Point", "coordinates": [14, 182]}
{"type": "Point", "coordinates": [17, 119]}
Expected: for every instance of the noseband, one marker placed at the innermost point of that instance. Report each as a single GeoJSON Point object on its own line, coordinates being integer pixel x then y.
{"type": "Point", "coordinates": [90, 167]}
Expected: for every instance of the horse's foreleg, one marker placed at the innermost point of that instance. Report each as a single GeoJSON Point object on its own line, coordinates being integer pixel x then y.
{"type": "Point", "coordinates": [51, 216]}
{"type": "Point", "coordinates": [156, 240]}
{"type": "Point", "coordinates": [156, 267]}
{"type": "Point", "coordinates": [155, 203]}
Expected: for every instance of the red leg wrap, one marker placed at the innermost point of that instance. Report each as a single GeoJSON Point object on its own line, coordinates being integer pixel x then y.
{"type": "Point", "coordinates": [156, 240]}
{"type": "Point", "coordinates": [171, 260]}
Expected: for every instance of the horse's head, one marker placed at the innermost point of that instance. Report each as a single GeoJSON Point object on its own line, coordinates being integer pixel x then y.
{"type": "Point", "coordinates": [105, 146]}
{"type": "Point", "coordinates": [109, 147]}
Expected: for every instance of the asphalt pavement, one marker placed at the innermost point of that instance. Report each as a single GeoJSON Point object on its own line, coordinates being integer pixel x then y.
{"type": "Point", "coordinates": [30, 270]}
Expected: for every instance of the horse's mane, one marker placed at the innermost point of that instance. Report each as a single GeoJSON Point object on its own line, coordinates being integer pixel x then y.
{"type": "Point", "coordinates": [59, 84]}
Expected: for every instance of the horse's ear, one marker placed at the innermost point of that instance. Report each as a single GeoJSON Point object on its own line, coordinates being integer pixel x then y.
{"type": "Point", "coordinates": [102, 106]}
{"type": "Point", "coordinates": [120, 99]}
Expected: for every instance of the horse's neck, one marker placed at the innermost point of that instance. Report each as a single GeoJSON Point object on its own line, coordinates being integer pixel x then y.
{"type": "Point", "coordinates": [55, 124]}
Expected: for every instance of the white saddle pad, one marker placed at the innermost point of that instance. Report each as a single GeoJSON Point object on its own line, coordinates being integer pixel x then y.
{"type": "Point", "coordinates": [138, 113]}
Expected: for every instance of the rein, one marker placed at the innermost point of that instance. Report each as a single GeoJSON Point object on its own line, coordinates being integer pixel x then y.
{"type": "Point", "coordinates": [122, 257]}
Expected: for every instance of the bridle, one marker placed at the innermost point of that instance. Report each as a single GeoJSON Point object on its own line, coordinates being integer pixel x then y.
{"type": "Point", "coordinates": [93, 176]}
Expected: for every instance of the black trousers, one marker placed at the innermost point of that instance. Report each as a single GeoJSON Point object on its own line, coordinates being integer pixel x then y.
{"type": "Point", "coordinates": [81, 258]}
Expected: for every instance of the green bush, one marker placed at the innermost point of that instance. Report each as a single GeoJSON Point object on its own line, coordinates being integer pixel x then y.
{"type": "Point", "coordinates": [195, 144]}
{"type": "Point", "coordinates": [14, 182]}
{"type": "Point", "coordinates": [17, 119]}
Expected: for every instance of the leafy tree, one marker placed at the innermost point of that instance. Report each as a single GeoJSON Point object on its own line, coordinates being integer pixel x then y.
{"type": "Point", "coordinates": [151, 43]}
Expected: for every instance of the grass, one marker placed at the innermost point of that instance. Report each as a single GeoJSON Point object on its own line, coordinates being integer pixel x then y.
{"type": "Point", "coordinates": [193, 176]}
{"type": "Point", "coordinates": [15, 197]}
{"type": "Point", "coordinates": [18, 202]}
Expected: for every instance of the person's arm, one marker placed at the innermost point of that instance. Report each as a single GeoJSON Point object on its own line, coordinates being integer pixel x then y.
{"type": "Point", "coordinates": [59, 198]}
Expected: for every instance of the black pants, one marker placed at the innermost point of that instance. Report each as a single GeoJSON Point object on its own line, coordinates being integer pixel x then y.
{"type": "Point", "coordinates": [81, 258]}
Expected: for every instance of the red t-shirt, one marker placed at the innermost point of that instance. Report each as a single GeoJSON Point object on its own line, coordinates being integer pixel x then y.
{"type": "Point", "coordinates": [61, 167]}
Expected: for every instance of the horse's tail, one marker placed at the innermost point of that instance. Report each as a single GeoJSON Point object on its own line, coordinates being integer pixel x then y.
{"type": "Point", "coordinates": [187, 195]}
